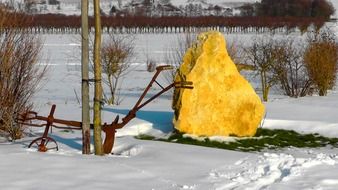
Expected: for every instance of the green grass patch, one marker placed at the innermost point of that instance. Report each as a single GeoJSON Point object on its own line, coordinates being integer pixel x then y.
{"type": "Point", "coordinates": [67, 131]}
{"type": "Point", "coordinates": [264, 139]}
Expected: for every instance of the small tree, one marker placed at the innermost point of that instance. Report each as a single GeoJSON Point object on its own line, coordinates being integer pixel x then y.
{"type": "Point", "coordinates": [247, 9]}
{"type": "Point", "coordinates": [289, 69]}
{"type": "Point", "coordinates": [151, 65]}
{"type": "Point", "coordinates": [322, 8]}
{"type": "Point", "coordinates": [175, 54]}
{"type": "Point", "coordinates": [299, 8]}
{"type": "Point", "coordinates": [321, 58]}
{"type": "Point", "coordinates": [97, 77]}
{"type": "Point", "coordinates": [116, 55]}
{"type": "Point", "coordinates": [261, 54]}
{"type": "Point", "coordinates": [19, 72]}
{"type": "Point", "coordinates": [236, 52]}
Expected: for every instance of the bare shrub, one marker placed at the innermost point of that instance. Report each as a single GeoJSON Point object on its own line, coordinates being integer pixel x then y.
{"type": "Point", "coordinates": [321, 58]}
{"type": "Point", "coordinates": [289, 69]}
{"type": "Point", "coordinates": [262, 56]}
{"type": "Point", "coordinates": [116, 54]}
{"type": "Point", "coordinates": [237, 55]}
{"type": "Point", "coordinates": [151, 65]}
{"type": "Point", "coordinates": [174, 55]}
{"type": "Point", "coordinates": [19, 72]}
{"type": "Point", "coordinates": [150, 62]}
{"type": "Point", "coordinates": [234, 51]}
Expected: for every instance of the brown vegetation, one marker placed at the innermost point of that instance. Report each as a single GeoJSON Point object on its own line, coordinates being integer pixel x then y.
{"type": "Point", "coordinates": [296, 8]}
{"type": "Point", "coordinates": [289, 70]}
{"type": "Point", "coordinates": [320, 59]}
{"type": "Point", "coordinates": [298, 68]}
{"type": "Point", "coordinates": [55, 23]}
{"type": "Point", "coordinates": [115, 55]}
{"type": "Point", "coordinates": [19, 73]}
{"type": "Point", "coordinates": [262, 56]}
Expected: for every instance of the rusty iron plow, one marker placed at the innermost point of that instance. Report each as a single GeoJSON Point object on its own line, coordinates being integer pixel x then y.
{"type": "Point", "coordinates": [45, 142]}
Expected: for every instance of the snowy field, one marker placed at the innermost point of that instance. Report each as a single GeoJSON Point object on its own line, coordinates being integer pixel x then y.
{"type": "Point", "coordinates": [148, 165]}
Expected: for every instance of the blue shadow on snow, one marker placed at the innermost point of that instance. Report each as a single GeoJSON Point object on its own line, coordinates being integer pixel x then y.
{"type": "Point", "coordinates": [75, 143]}
{"type": "Point", "coordinates": [161, 120]}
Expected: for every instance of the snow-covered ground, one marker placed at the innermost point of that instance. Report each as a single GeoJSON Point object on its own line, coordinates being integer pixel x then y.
{"type": "Point", "coordinates": [144, 165]}
{"type": "Point", "coordinates": [335, 4]}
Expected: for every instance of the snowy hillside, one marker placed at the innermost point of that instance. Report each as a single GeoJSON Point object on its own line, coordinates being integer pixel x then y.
{"type": "Point", "coordinates": [72, 7]}
{"type": "Point", "coordinates": [210, 2]}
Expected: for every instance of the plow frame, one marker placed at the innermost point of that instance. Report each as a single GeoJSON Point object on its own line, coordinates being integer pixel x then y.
{"type": "Point", "coordinates": [45, 142]}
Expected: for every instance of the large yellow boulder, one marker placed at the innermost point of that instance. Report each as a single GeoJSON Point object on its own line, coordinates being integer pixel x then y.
{"type": "Point", "coordinates": [222, 102]}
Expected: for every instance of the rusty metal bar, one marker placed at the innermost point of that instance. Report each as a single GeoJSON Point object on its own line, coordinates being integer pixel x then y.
{"type": "Point", "coordinates": [55, 120]}
{"type": "Point", "coordinates": [176, 84]}
{"type": "Point", "coordinates": [158, 71]}
{"type": "Point", "coordinates": [50, 120]}
{"type": "Point", "coordinates": [155, 96]}
{"type": "Point", "coordinates": [110, 130]}
{"type": "Point", "coordinates": [159, 84]}
{"type": "Point", "coordinates": [44, 140]}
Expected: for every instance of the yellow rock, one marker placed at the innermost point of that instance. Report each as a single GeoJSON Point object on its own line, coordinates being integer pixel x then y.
{"type": "Point", "coordinates": [222, 102]}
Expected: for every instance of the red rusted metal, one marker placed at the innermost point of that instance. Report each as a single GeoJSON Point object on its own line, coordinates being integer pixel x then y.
{"type": "Point", "coordinates": [109, 129]}
{"type": "Point", "coordinates": [43, 142]}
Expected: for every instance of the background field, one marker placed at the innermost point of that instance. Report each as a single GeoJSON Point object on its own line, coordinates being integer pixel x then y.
{"type": "Point", "coordinates": [145, 165]}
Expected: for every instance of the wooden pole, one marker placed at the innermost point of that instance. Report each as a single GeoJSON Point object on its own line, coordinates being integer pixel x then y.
{"type": "Point", "coordinates": [98, 83]}
{"type": "Point", "coordinates": [85, 78]}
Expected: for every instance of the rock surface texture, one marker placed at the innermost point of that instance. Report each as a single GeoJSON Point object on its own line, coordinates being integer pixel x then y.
{"type": "Point", "coordinates": [222, 102]}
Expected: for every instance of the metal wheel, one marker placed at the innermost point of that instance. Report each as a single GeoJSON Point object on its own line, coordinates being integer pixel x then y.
{"type": "Point", "coordinates": [43, 144]}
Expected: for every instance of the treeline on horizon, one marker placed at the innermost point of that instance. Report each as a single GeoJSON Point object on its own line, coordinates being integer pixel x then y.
{"type": "Point", "coordinates": [295, 8]}
{"type": "Point", "coordinates": [177, 21]}
{"type": "Point", "coordinates": [270, 14]}
{"type": "Point", "coordinates": [41, 23]}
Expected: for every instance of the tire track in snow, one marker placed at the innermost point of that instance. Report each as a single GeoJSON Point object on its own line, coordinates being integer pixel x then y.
{"type": "Point", "coordinates": [269, 168]}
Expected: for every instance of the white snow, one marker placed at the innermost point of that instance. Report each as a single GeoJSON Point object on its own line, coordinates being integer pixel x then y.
{"type": "Point", "coordinates": [335, 4]}
{"type": "Point", "coordinates": [144, 165]}
{"type": "Point", "coordinates": [147, 165]}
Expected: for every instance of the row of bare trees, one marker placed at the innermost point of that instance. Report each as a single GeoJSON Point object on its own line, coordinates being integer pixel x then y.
{"type": "Point", "coordinates": [297, 65]}
{"type": "Point", "coordinates": [298, 68]}
{"type": "Point", "coordinates": [63, 23]}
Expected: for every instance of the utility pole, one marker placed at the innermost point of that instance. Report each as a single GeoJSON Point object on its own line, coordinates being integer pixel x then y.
{"type": "Point", "coordinates": [98, 82]}
{"type": "Point", "coordinates": [85, 78]}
